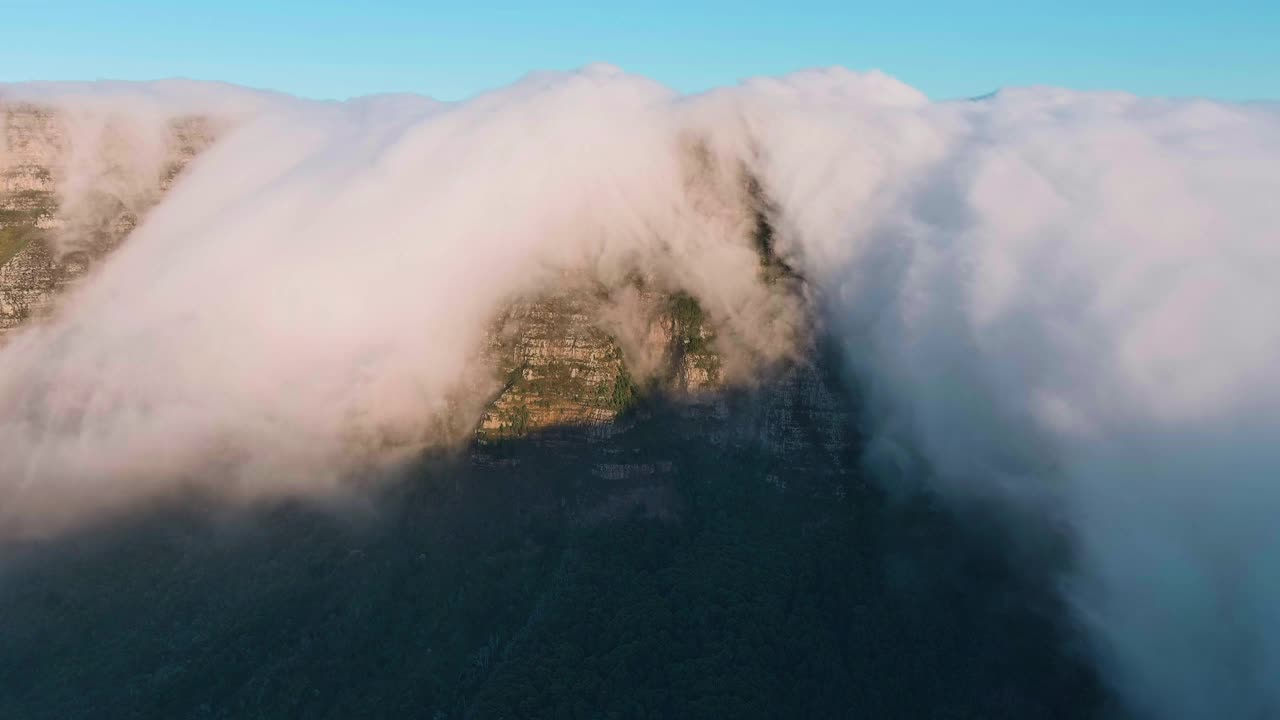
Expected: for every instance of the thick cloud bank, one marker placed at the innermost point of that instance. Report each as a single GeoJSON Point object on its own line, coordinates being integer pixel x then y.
{"type": "Point", "coordinates": [1067, 301]}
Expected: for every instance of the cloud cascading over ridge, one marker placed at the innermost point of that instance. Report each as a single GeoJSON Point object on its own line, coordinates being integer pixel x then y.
{"type": "Point", "coordinates": [1066, 300]}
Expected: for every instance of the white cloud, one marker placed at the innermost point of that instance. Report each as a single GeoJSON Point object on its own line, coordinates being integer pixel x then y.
{"type": "Point", "coordinates": [1067, 300]}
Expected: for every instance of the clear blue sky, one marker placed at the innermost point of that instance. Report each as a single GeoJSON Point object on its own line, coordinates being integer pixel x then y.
{"type": "Point", "coordinates": [1228, 49]}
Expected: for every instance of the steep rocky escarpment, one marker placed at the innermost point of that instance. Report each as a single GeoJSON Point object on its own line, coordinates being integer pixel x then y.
{"type": "Point", "coordinates": [51, 232]}
{"type": "Point", "coordinates": [569, 389]}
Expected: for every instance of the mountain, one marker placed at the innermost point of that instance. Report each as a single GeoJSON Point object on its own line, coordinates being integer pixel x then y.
{"type": "Point", "coordinates": [634, 522]}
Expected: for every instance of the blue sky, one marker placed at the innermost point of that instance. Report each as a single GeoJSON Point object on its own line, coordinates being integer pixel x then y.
{"type": "Point", "coordinates": [1228, 49]}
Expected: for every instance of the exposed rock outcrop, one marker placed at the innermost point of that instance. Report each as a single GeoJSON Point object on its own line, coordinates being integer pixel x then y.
{"type": "Point", "coordinates": [46, 242]}
{"type": "Point", "coordinates": [572, 376]}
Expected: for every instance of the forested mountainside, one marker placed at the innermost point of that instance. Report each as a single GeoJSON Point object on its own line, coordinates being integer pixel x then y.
{"type": "Point", "coordinates": [607, 541]}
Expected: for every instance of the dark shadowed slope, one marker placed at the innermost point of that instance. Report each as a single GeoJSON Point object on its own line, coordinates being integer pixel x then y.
{"type": "Point", "coordinates": [653, 573]}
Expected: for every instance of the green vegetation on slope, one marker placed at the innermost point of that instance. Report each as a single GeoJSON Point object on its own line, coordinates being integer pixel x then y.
{"type": "Point", "coordinates": [18, 218]}
{"type": "Point", "coordinates": [689, 321]}
{"type": "Point", "coordinates": [625, 391]}
{"type": "Point", "coordinates": [14, 239]}
{"type": "Point", "coordinates": [772, 267]}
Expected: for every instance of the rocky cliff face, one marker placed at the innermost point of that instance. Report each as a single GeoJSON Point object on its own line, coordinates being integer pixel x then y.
{"type": "Point", "coordinates": [50, 235]}
{"type": "Point", "coordinates": [28, 272]}
{"type": "Point", "coordinates": [564, 370]}
{"type": "Point", "coordinates": [569, 389]}
{"type": "Point", "coordinates": [569, 375]}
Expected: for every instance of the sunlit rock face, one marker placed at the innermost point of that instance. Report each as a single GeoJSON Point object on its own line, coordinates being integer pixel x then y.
{"type": "Point", "coordinates": [28, 272]}
{"type": "Point", "coordinates": [567, 386]}
{"type": "Point", "coordinates": [561, 366]}
{"type": "Point", "coordinates": [51, 234]}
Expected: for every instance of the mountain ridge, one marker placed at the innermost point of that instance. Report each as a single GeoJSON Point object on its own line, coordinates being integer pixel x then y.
{"type": "Point", "coordinates": [631, 517]}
